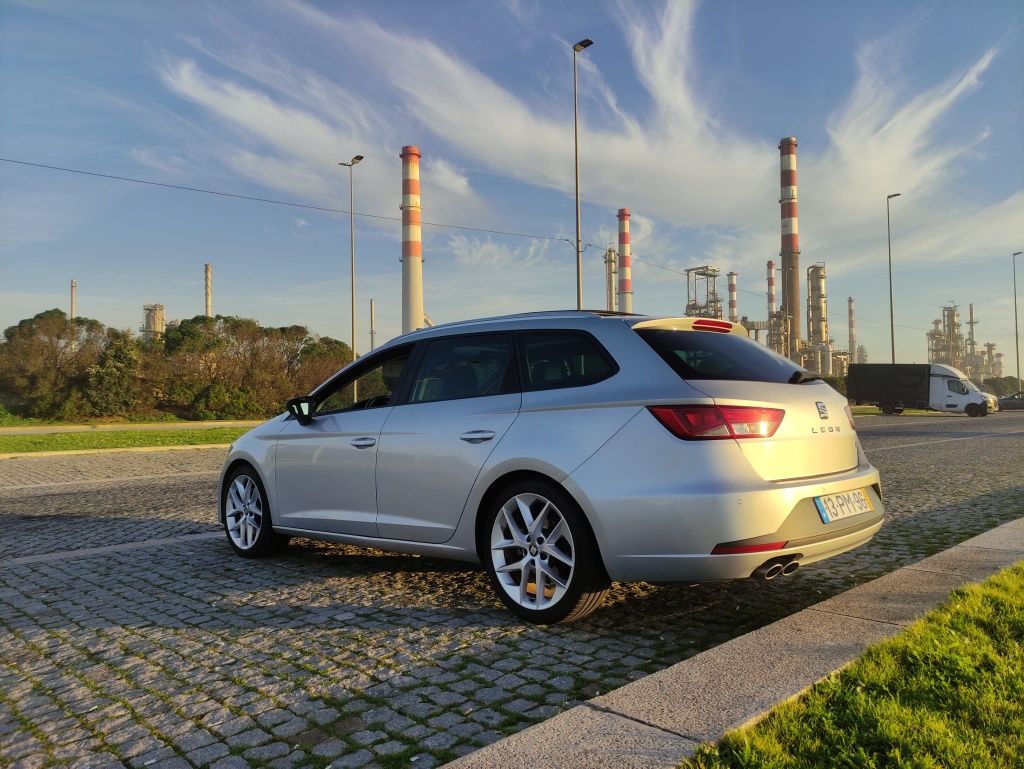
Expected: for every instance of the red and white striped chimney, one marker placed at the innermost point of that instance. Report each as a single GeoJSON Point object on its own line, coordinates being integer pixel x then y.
{"type": "Point", "coordinates": [771, 288]}
{"type": "Point", "coordinates": [790, 250]}
{"type": "Point", "coordinates": [625, 264]}
{"type": "Point", "coordinates": [734, 314]}
{"type": "Point", "coordinates": [412, 241]}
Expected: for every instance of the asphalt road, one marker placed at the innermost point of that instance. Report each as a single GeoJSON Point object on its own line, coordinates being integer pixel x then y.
{"type": "Point", "coordinates": [130, 634]}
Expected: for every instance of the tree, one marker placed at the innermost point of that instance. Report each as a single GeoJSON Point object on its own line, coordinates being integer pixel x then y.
{"type": "Point", "coordinates": [113, 384]}
{"type": "Point", "coordinates": [44, 359]}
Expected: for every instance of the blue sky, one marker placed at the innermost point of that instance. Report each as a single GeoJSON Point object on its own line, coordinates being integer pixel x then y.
{"type": "Point", "coordinates": [682, 106]}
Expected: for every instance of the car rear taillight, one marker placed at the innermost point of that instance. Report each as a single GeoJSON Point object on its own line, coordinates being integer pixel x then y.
{"type": "Point", "coordinates": [708, 423]}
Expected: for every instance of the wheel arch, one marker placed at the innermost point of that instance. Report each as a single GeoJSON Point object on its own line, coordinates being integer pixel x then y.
{"type": "Point", "coordinates": [229, 468]}
{"type": "Point", "coordinates": [514, 476]}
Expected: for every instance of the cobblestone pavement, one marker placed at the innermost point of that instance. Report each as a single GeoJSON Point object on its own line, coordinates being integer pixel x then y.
{"type": "Point", "coordinates": [164, 650]}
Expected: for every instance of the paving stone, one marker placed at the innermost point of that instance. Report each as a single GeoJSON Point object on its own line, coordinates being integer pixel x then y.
{"type": "Point", "coordinates": [195, 738]}
{"type": "Point", "coordinates": [353, 760]}
{"type": "Point", "coordinates": [368, 737]}
{"type": "Point", "coordinates": [331, 627]}
{"type": "Point", "coordinates": [171, 763]}
{"type": "Point", "coordinates": [266, 752]}
{"type": "Point", "coordinates": [330, 749]}
{"type": "Point", "coordinates": [230, 762]}
{"type": "Point", "coordinates": [208, 754]}
{"type": "Point", "coordinates": [248, 739]}
{"type": "Point", "coordinates": [389, 748]}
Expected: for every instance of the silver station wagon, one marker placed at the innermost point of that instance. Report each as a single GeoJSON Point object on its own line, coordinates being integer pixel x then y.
{"type": "Point", "coordinates": [564, 450]}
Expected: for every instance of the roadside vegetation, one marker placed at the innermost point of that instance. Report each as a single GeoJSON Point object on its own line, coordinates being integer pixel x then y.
{"type": "Point", "coordinates": [57, 369]}
{"type": "Point", "coordinates": [118, 439]}
{"type": "Point", "coordinates": [947, 692]}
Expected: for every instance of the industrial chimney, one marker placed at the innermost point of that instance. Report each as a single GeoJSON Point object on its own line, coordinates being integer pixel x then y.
{"type": "Point", "coordinates": [852, 318]}
{"type": "Point", "coordinates": [209, 290]}
{"type": "Point", "coordinates": [74, 299]}
{"type": "Point", "coordinates": [611, 269]}
{"type": "Point", "coordinates": [790, 250]}
{"type": "Point", "coordinates": [734, 315]}
{"type": "Point", "coordinates": [625, 264]}
{"type": "Point", "coordinates": [771, 288]}
{"type": "Point", "coordinates": [412, 241]}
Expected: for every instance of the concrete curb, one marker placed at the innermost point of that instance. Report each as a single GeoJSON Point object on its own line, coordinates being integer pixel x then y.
{"type": "Point", "coordinates": [660, 719]}
{"type": "Point", "coordinates": [123, 450]}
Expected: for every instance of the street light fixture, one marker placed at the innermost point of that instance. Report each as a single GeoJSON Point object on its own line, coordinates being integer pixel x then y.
{"type": "Point", "coordinates": [888, 232]}
{"type": "Point", "coordinates": [352, 230]}
{"type": "Point", "coordinates": [1016, 333]}
{"type": "Point", "coordinates": [581, 45]}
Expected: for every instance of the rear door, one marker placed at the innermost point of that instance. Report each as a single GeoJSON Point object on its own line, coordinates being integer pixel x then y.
{"type": "Point", "coordinates": [815, 437]}
{"type": "Point", "coordinates": [463, 398]}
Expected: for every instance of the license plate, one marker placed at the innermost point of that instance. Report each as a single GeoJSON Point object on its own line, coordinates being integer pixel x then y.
{"type": "Point", "coordinates": [834, 507]}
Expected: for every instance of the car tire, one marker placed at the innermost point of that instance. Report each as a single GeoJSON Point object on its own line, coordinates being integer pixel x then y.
{"type": "Point", "coordinates": [887, 408]}
{"type": "Point", "coordinates": [245, 512]}
{"type": "Point", "coordinates": [973, 410]}
{"type": "Point", "coordinates": [537, 525]}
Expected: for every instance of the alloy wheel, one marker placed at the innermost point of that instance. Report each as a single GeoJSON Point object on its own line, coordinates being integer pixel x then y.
{"type": "Point", "coordinates": [244, 512]}
{"type": "Point", "coordinates": [532, 551]}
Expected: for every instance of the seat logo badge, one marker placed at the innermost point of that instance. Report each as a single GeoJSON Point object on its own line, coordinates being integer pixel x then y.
{"type": "Point", "coordinates": [822, 411]}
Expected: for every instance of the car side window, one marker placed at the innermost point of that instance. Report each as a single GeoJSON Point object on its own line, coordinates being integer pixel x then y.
{"type": "Point", "coordinates": [374, 387]}
{"type": "Point", "coordinates": [554, 359]}
{"type": "Point", "coordinates": [956, 386]}
{"type": "Point", "coordinates": [471, 366]}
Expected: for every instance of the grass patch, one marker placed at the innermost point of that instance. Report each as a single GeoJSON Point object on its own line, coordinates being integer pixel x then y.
{"type": "Point", "coordinates": [947, 692]}
{"type": "Point", "coordinates": [118, 439]}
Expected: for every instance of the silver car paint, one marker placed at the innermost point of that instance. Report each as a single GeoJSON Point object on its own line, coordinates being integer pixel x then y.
{"type": "Point", "coordinates": [429, 457]}
{"type": "Point", "coordinates": [657, 504]}
{"type": "Point", "coordinates": [325, 473]}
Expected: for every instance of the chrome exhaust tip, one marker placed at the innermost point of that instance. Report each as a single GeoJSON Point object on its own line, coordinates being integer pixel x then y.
{"type": "Point", "coordinates": [768, 570]}
{"type": "Point", "coordinates": [790, 567]}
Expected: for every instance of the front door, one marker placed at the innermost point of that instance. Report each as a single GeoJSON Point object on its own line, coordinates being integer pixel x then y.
{"type": "Point", "coordinates": [326, 470]}
{"type": "Point", "coordinates": [462, 400]}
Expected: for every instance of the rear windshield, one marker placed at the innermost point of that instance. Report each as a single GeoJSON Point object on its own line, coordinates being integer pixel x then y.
{"type": "Point", "coordinates": [711, 355]}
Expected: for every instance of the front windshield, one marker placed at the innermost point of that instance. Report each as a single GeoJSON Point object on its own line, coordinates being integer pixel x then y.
{"type": "Point", "coordinates": [970, 385]}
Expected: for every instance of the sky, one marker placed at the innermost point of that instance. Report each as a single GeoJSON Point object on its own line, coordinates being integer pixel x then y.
{"type": "Point", "coordinates": [682, 106]}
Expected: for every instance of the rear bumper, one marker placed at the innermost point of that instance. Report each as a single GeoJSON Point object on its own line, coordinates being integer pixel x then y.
{"type": "Point", "coordinates": [658, 513]}
{"type": "Point", "coordinates": [708, 568]}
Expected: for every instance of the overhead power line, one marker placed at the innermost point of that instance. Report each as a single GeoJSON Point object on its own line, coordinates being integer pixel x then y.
{"type": "Point", "coordinates": [289, 203]}
{"type": "Point", "coordinates": [326, 209]}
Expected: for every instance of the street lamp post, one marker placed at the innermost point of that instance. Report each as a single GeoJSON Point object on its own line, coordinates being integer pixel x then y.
{"type": "Point", "coordinates": [352, 231]}
{"type": "Point", "coordinates": [888, 233]}
{"type": "Point", "coordinates": [585, 43]}
{"type": "Point", "coordinates": [1016, 333]}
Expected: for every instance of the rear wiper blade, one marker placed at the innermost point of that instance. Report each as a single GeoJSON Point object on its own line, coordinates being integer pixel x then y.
{"type": "Point", "coordinates": [800, 376]}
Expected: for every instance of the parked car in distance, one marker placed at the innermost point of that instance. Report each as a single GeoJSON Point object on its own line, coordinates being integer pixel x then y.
{"type": "Point", "coordinates": [1012, 401]}
{"type": "Point", "coordinates": [564, 450]}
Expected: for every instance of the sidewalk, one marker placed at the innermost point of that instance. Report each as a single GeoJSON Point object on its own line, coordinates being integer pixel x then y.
{"type": "Point", "coordinates": [46, 429]}
{"type": "Point", "coordinates": [659, 720]}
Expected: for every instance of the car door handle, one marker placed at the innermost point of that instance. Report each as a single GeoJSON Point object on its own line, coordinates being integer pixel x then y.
{"type": "Point", "coordinates": [364, 443]}
{"type": "Point", "coordinates": [477, 436]}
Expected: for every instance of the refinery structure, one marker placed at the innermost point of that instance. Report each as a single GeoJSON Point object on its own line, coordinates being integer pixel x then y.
{"type": "Point", "coordinates": [947, 344]}
{"type": "Point", "coordinates": [781, 329]}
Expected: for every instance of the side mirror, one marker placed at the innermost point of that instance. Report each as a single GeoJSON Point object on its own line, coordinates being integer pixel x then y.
{"type": "Point", "coordinates": [301, 408]}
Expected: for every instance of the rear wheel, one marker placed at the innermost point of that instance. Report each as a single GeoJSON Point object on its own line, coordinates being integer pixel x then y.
{"type": "Point", "coordinates": [973, 410]}
{"type": "Point", "coordinates": [541, 555]}
{"type": "Point", "coordinates": [887, 408]}
{"type": "Point", "coordinates": [246, 516]}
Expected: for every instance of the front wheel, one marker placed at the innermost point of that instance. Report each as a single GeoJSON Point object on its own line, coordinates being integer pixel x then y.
{"type": "Point", "coordinates": [246, 516]}
{"type": "Point", "coordinates": [973, 410]}
{"type": "Point", "coordinates": [541, 555]}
